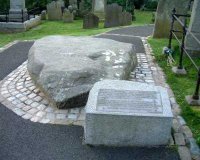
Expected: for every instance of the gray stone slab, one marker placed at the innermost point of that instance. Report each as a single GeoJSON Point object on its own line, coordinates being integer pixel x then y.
{"type": "Point", "coordinates": [190, 43]}
{"type": "Point", "coordinates": [98, 8]}
{"type": "Point", "coordinates": [16, 8]}
{"type": "Point", "coordinates": [54, 10]}
{"type": "Point", "coordinates": [164, 16]}
{"type": "Point", "coordinates": [113, 14]}
{"type": "Point", "coordinates": [90, 21]}
{"type": "Point", "coordinates": [123, 113]}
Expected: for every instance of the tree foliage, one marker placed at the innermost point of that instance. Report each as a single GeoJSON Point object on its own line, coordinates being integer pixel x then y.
{"type": "Point", "coordinates": [126, 4]}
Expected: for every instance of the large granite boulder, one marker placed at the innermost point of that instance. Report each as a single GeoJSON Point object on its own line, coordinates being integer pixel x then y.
{"type": "Point", "coordinates": [66, 68]}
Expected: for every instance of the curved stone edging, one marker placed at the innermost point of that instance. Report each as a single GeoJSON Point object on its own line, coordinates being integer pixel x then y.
{"type": "Point", "coordinates": [19, 94]}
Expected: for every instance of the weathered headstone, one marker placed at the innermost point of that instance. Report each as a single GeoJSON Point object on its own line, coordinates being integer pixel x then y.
{"type": "Point", "coordinates": [98, 8]}
{"type": "Point", "coordinates": [191, 44]}
{"type": "Point", "coordinates": [17, 10]}
{"type": "Point", "coordinates": [113, 14]}
{"type": "Point", "coordinates": [90, 21]}
{"type": "Point", "coordinates": [124, 113]}
{"type": "Point", "coordinates": [125, 19]}
{"type": "Point", "coordinates": [43, 15]}
{"type": "Point", "coordinates": [54, 10]}
{"type": "Point", "coordinates": [164, 16]}
{"type": "Point", "coordinates": [68, 16]}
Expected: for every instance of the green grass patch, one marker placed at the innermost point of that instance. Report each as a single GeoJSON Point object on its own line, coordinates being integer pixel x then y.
{"type": "Point", "coordinates": [143, 17]}
{"type": "Point", "coordinates": [73, 29]}
{"type": "Point", "coordinates": [181, 85]}
{"type": "Point", "coordinates": [52, 28]}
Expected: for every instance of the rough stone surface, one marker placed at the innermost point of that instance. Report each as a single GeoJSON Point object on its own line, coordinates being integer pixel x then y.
{"type": "Point", "coordinates": [179, 139]}
{"type": "Point", "coordinates": [67, 70]}
{"type": "Point", "coordinates": [68, 16]}
{"type": "Point", "coordinates": [125, 19]}
{"type": "Point", "coordinates": [54, 10]}
{"type": "Point", "coordinates": [184, 153]}
{"type": "Point", "coordinates": [11, 27]}
{"type": "Point", "coordinates": [90, 21]}
{"type": "Point", "coordinates": [176, 70]}
{"type": "Point", "coordinates": [194, 148]}
{"type": "Point", "coordinates": [123, 113]}
{"type": "Point", "coordinates": [113, 13]}
{"type": "Point", "coordinates": [98, 8]}
{"type": "Point", "coordinates": [191, 44]}
{"type": "Point", "coordinates": [163, 16]}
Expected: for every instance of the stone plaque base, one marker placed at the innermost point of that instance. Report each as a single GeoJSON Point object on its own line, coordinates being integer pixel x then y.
{"type": "Point", "coordinates": [123, 113]}
{"type": "Point", "coordinates": [176, 70]}
{"type": "Point", "coordinates": [192, 101]}
{"type": "Point", "coordinates": [16, 15]}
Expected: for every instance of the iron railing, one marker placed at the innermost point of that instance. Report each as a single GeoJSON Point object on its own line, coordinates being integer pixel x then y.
{"type": "Point", "coordinates": [183, 50]}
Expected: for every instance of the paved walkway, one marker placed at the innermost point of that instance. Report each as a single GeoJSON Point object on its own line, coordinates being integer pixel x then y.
{"type": "Point", "coordinates": [23, 139]}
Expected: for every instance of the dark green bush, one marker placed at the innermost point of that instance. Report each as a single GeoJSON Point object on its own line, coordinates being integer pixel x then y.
{"type": "Point", "coordinates": [151, 4]}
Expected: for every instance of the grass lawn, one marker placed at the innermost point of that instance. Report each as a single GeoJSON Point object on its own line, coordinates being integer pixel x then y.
{"type": "Point", "coordinates": [181, 85]}
{"type": "Point", "coordinates": [60, 28]}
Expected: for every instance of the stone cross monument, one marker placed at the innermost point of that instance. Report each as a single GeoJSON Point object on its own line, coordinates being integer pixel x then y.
{"type": "Point", "coordinates": [191, 44]}
{"type": "Point", "coordinates": [98, 8]}
{"type": "Point", "coordinates": [17, 10]}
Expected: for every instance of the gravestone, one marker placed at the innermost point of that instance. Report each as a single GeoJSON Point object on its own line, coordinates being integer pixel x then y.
{"type": "Point", "coordinates": [113, 14]}
{"type": "Point", "coordinates": [16, 9]}
{"type": "Point", "coordinates": [90, 21]}
{"type": "Point", "coordinates": [43, 15]}
{"type": "Point", "coordinates": [98, 8]}
{"type": "Point", "coordinates": [68, 17]}
{"type": "Point", "coordinates": [125, 19]}
{"type": "Point", "coordinates": [164, 16]}
{"type": "Point", "coordinates": [124, 113]}
{"type": "Point", "coordinates": [191, 44]}
{"type": "Point", "coordinates": [54, 10]}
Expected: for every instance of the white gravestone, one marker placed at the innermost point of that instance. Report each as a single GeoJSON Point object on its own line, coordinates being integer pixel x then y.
{"type": "Point", "coordinates": [16, 8]}
{"type": "Point", "coordinates": [191, 44]}
{"type": "Point", "coordinates": [98, 8]}
{"type": "Point", "coordinates": [124, 113]}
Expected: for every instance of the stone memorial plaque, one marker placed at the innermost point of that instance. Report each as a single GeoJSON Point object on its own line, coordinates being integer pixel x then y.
{"type": "Point", "coordinates": [129, 101]}
{"type": "Point", "coordinates": [124, 113]}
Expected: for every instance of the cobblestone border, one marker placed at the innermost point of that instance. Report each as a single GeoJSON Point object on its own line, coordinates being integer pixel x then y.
{"type": "Point", "coordinates": [18, 93]}
{"type": "Point", "coordinates": [182, 136]}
